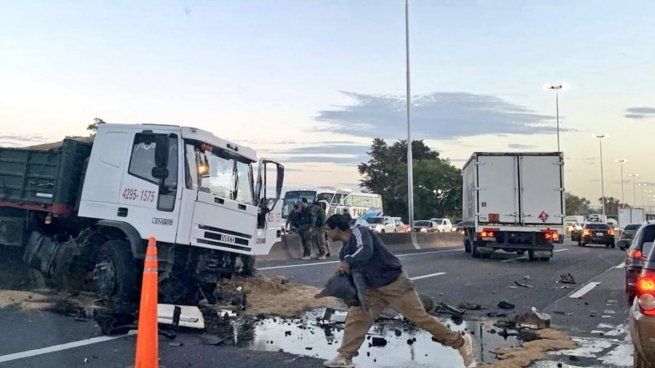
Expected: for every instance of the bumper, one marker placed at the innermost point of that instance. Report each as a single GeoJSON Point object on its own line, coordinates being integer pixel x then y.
{"type": "Point", "coordinates": [642, 331]}
{"type": "Point", "coordinates": [598, 239]}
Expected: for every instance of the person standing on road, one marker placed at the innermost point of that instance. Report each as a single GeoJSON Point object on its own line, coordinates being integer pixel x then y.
{"type": "Point", "coordinates": [318, 231]}
{"type": "Point", "coordinates": [293, 222]}
{"type": "Point", "coordinates": [387, 285]}
{"type": "Point", "coordinates": [305, 224]}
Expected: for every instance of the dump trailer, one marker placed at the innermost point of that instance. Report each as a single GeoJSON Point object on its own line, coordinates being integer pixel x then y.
{"type": "Point", "coordinates": [83, 209]}
{"type": "Point", "coordinates": [514, 202]}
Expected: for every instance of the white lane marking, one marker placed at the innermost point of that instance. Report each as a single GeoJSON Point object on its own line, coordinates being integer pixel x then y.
{"type": "Point", "coordinates": [584, 290]}
{"type": "Point", "coordinates": [333, 262]}
{"type": "Point", "coordinates": [524, 257]}
{"type": "Point", "coordinates": [620, 266]}
{"type": "Point", "coordinates": [66, 346]}
{"type": "Point", "coordinates": [426, 276]}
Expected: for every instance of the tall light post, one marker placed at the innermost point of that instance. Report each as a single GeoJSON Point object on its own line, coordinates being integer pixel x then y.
{"type": "Point", "coordinates": [557, 88]}
{"type": "Point", "coordinates": [602, 175]}
{"type": "Point", "coordinates": [621, 162]}
{"type": "Point", "coordinates": [410, 168]}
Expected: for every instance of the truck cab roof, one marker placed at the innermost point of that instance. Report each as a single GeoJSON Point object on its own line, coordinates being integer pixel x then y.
{"type": "Point", "coordinates": [187, 133]}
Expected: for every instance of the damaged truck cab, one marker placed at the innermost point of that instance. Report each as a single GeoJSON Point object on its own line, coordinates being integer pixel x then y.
{"type": "Point", "coordinates": [197, 194]}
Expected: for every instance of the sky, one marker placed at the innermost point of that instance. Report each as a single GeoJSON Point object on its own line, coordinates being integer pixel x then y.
{"type": "Point", "coordinates": [311, 83]}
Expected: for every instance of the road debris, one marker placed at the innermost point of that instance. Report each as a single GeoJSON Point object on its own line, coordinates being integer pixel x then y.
{"type": "Point", "coordinates": [566, 278]}
{"type": "Point", "coordinates": [470, 306]}
{"type": "Point", "coordinates": [350, 288]}
{"type": "Point", "coordinates": [528, 352]}
{"type": "Point", "coordinates": [427, 301]}
{"type": "Point", "coordinates": [506, 305]}
{"type": "Point", "coordinates": [527, 277]}
{"type": "Point", "coordinates": [378, 342]}
{"type": "Point", "coordinates": [534, 319]}
{"type": "Point", "coordinates": [444, 308]}
{"type": "Point", "coordinates": [523, 285]}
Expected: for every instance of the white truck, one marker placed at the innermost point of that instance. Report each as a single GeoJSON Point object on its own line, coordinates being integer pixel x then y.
{"type": "Point", "coordinates": [514, 202]}
{"type": "Point", "coordinates": [629, 216]}
{"type": "Point", "coordinates": [83, 210]}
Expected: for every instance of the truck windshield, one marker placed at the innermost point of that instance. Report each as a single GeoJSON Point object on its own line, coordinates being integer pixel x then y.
{"type": "Point", "coordinates": [213, 170]}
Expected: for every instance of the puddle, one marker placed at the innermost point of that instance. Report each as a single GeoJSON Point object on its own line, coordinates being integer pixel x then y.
{"type": "Point", "coordinates": [406, 346]}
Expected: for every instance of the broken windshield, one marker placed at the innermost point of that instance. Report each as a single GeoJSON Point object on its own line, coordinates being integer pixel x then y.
{"type": "Point", "coordinates": [219, 172]}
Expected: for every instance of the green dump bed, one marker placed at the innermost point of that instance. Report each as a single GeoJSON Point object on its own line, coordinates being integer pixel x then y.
{"type": "Point", "coordinates": [45, 178]}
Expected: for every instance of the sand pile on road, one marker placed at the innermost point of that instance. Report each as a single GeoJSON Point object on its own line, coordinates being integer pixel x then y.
{"type": "Point", "coordinates": [528, 352]}
{"type": "Point", "coordinates": [24, 299]}
{"type": "Point", "coordinates": [276, 296]}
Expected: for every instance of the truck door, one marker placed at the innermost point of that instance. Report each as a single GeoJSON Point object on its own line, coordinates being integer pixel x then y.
{"type": "Point", "coordinates": [149, 197]}
{"type": "Point", "coordinates": [497, 189]}
{"type": "Point", "coordinates": [541, 190]}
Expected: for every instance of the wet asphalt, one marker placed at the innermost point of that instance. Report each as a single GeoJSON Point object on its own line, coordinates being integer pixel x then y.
{"type": "Point", "coordinates": [449, 276]}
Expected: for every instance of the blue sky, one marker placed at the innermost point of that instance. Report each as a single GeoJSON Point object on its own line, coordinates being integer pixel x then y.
{"type": "Point", "coordinates": [311, 82]}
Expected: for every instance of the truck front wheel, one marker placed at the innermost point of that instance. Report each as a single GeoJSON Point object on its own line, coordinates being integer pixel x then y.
{"type": "Point", "coordinates": [115, 274]}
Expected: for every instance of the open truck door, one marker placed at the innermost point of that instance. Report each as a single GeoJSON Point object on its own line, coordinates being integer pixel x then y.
{"type": "Point", "coordinates": [270, 221]}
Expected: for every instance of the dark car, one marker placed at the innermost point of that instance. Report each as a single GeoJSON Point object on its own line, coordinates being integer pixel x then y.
{"type": "Point", "coordinates": [641, 245]}
{"type": "Point", "coordinates": [626, 235]}
{"type": "Point", "coordinates": [642, 313]}
{"type": "Point", "coordinates": [597, 233]}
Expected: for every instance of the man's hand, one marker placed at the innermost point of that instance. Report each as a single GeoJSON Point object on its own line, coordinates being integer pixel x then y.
{"type": "Point", "coordinates": [343, 267]}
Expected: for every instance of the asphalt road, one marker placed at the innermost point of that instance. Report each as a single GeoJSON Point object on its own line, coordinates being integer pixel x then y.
{"type": "Point", "coordinates": [596, 319]}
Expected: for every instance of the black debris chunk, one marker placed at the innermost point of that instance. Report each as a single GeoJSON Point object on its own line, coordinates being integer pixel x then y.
{"type": "Point", "coordinates": [211, 340]}
{"type": "Point", "coordinates": [506, 305]}
{"type": "Point", "coordinates": [567, 278]}
{"type": "Point", "coordinates": [378, 341]}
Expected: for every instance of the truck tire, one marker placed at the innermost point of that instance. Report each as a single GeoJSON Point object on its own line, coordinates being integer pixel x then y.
{"type": "Point", "coordinates": [467, 246]}
{"type": "Point", "coordinates": [115, 274]}
{"type": "Point", "coordinates": [248, 265]}
{"type": "Point", "coordinates": [531, 256]}
{"type": "Point", "coordinates": [474, 250]}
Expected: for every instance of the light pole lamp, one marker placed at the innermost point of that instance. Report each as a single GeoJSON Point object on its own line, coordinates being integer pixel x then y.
{"type": "Point", "coordinates": [602, 176]}
{"type": "Point", "coordinates": [557, 88]}
{"type": "Point", "coordinates": [621, 162]}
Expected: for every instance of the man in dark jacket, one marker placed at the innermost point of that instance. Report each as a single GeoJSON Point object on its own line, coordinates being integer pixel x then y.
{"type": "Point", "coordinates": [318, 230]}
{"type": "Point", "coordinates": [305, 224]}
{"type": "Point", "coordinates": [387, 285]}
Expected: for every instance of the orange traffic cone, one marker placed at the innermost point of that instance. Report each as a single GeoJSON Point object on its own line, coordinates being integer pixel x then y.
{"type": "Point", "coordinates": [147, 340]}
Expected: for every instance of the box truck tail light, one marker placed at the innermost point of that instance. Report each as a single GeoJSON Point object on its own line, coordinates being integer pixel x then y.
{"type": "Point", "coordinates": [494, 217]}
{"type": "Point", "coordinates": [646, 292]}
{"type": "Point", "coordinates": [555, 236]}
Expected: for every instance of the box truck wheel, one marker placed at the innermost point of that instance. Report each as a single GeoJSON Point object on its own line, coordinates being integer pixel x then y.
{"type": "Point", "coordinates": [115, 274]}
{"type": "Point", "coordinates": [474, 250]}
{"type": "Point", "coordinates": [467, 246]}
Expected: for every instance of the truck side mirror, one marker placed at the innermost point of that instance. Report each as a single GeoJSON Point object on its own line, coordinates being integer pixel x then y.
{"type": "Point", "coordinates": [161, 151]}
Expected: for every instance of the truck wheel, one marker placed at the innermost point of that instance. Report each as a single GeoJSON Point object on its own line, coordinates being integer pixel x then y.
{"type": "Point", "coordinates": [248, 265]}
{"type": "Point", "coordinates": [115, 273]}
{"type": "Point", "coordinates": [531, 256]}
{"type": "Point", "coordinates": [474, 250]}
{"type": "Point", "coordinates": [467, 246]}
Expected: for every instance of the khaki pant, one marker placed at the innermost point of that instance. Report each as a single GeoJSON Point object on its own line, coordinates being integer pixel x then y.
{"type": "Point", "coordinates": [319, 240]}
{"type": "Point", "coordinates": [402, 296]}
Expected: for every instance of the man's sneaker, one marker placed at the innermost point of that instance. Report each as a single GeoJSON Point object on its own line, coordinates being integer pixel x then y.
{"type": "Point", "coordinates": [306, 258]}
{"type": "Point", "coordinates": [466, 351]}
{"type": "Point", "coordinates": [339, 362]}
{"type": "Point", "coordinates": [321, 257]}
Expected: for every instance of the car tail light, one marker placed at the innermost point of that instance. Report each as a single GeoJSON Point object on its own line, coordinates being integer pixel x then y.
{"type": "Point", "coordinates": [646, 292]}
{"type": "Point", "coordinates": [586, 232]}
{"type": "Point", "coordinates": [610, 232]}
{"type": "Point", "coordinates": [636, 254]}
{"type": "Point", "coordinates": [556, 236]}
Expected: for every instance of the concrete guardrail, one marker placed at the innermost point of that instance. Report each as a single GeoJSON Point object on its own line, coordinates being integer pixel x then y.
{"type": "Point", "coordinates": [291, 248]}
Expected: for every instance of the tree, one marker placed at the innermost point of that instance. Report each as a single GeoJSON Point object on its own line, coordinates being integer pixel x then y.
{"type": "Point", "coordinates": [612, 205]}
{"type": "Point", "coordinates": [437, 183]}
{"type": "Point", "coordinates": [93, 128]}
{"type": "Point", "coordinates": [577, 205]}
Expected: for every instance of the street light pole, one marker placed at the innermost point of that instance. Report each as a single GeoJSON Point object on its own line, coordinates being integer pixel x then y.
{"type": "Point", "coordinates": [410, 168]}
{"type": "Point", "coordinates": [557, 88]}
{"type": "Point", "coordinates": [621, 162]}
{"type": "Point", "coordinates": [602, 176]}
{"type": "Point", "coordinates": [634, 189]}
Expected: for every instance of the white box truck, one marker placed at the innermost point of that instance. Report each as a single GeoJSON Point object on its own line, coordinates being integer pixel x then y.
{"type": "Point", "coordinates": [514, 202]}
{"type": "Point", "coordinates": [629, 216]}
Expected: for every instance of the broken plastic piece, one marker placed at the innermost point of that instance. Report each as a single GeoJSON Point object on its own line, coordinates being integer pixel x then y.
{"type": "Point", "coordinates": [180, 315]}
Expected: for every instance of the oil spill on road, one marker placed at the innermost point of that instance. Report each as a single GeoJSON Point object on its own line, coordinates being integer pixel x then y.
{"type": "Point", "coordinates": [389, 343]}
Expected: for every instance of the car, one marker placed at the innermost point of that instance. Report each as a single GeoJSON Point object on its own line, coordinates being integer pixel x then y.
{"type": "Point", "coordinates": [400, 225]}
{"type": "Point", "coordinates": [576, 232]}
{"type": "Point", "coordinates": [642, 312]}
{"type": "Point", "coordinates": [597, 233]}
{"type": "Point", "coordinates": [443, 225]}
{"type": "Point", "coordinates": [425, 226]}
{"type": "Point", "coordinates": [382, 224]}
{"type": "Point", "coordinates": [459, 227]}
{"type": "Point", "coordinates": [639, 248]}
{"type": "Point", "coordinates": [572, 226]}
{"type": "Point", "coordinates": [626, 235]}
